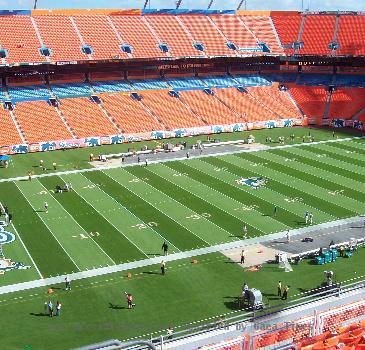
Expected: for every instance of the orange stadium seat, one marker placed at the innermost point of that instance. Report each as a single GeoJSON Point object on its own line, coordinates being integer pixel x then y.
{"type": "Point", "coordinates": [172, 33]}
{"type": "Point", "coordinates": [311, 100]}
{"type": "Point", "coordinates": [172, 113]}
{"type": "Point", "coordinates": [85, 118]}
{"type": "Point", "coordinates": [275, 100]}
{"type": "Point", "coordinates": [287, 26]}
{"type": "Point", "coordinates": [209, 108]}
{"type": "Point", "coordinates": [345, 102]}
{"type": "Point", "coordinates": [245, 105]}
{"type": "Point", "coordinates": [235, 31]}
{"type": "Point", "coordinates": [351, 32]}
{"type": "Point", "coordinates": [136, 33]}
{"type": "Point", "coordinates": [35, 119]}
{"type": "Point", "coordinates": [318, 32]}
{"type": "Point", "coordinates": [98, 33]}
{"type": "Point", "coordinates": [129, 114]}
{"type": "Point", "coordinates": [18, 36]}
{"type": "Point", "coordinates": [264, 31]}
{"type": "Point", "coordinates": [9, 134]}
{"type": "Point", "coordinates": [205, 33]}
{"type": "Point", "coordinates": [59, 35]}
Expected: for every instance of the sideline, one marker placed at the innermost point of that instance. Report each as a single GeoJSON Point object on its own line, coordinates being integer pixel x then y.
{"type": "Point", "coordinates": [177, 156]}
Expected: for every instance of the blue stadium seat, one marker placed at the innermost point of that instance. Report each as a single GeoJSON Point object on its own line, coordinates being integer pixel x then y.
{"type": "Point", "coordinates": [252, 80]}
{"type": "Point", "coordinates": [148, 84]}
{"type": "Point", "coordinates": [219, 81]}
{"type": "Point", "coordinates": [350, 80]}
{"type": "Point", "coordinates": [29, 93]}
{"type": "Point", "coordinates": [111, 86]}
{"type": "Point", "coordinates": [315, 79]}
{"type": "Point", "coordinates": [71, 90]}
{"type": "Point", "coordinates": [281, 77]}
{"type": "Point", "coordinates": [185, 83]}
{"type": "Point", "coordinates": [2, 95]}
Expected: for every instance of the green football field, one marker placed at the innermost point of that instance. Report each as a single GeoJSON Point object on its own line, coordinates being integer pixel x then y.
{"type": "Point", "coordinates": [124, 214]}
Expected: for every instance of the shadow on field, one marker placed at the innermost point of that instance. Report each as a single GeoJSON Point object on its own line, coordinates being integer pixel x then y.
{"type": "Point", "coordinates": [151, 273]}
{"type": "Point", "coordinates": [116, 307]}
{"type": "Point", "coordinates": [233, 303]}
{"type": "Point", "coordinates": [39, 314]}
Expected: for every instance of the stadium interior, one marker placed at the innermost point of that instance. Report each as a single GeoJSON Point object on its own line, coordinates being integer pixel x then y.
{"type": "Point", "coordinates": [71, 76]}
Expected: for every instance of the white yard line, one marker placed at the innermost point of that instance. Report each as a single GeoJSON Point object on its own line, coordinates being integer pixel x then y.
{"type": "Point", "coordinates": [25, 248]}
{"type": "Point", "coordinates": [137, 218]}
{"type": "Point", "coordinates": [173, 257]}
{"type": "Point", "coordinates": [109, 224]}
{"type": "Point", "coordinates": [72, 218]}
{"type": "Point", "coordinates": [163, 212]}
{"type": "Point", "coordinates": [182, 158]}
{"type": "Point", "coordinates": [48, 227]}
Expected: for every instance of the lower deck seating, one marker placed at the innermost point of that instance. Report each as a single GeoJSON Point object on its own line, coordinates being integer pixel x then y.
{"type": "Point", "coordinates": [245, 105]}
{"type": "Point", "coordinates": [86, 118]}
{"type": "Point", "coordinates": [30, 92]}
{"type": "Point", "coordinates": [9, 134]}
{"type": "Point", "coordinates": [129, 113]}
{"type": "Point", "coordinates": [311, 100]}
{"type": "Point", "coordinates": [346, 102]}
{"type": "Point", "coordinates": [172, 113]}
{"type": "Point", "coordinates": [40, 122]}
{"type": "Point", "coordinates": [209, 108]}
{"type": "Point", "coordinates": [277, 101]}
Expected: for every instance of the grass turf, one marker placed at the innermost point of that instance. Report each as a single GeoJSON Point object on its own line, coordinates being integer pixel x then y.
{"type": "Point", "coordinates": [95, 309]}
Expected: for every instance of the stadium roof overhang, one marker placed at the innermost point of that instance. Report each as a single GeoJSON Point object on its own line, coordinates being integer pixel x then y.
{"type": "Point", "coordinates": [176, 65]}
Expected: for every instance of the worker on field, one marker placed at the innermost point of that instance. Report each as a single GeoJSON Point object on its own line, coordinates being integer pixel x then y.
{"type": "Point", "coordinates": [46, 207]}
{"type": "Point", "coordinates": [280, 289]}
{"type": "Point", "coordinates": [68, 283]}
{"type": "Point", "coordinates": [163, 266]}
{"type": "Point", "coordinates": [285, 293]}
{"type": "Point", "coordinates": [165, 248]}
{"type": "Point", "coordinates": [242, 256]}
{"type": "Point", "coordinates": [244, 232]}
{"type": "Point", "coordinates": [54, 165]}
{"type": "Point", "coordinates": [129, 300]}
{"type": "Point", "coordinates": [288, 236]}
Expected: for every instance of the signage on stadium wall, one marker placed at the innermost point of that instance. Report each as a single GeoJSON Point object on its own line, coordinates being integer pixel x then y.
{"type": "Point", "coordinates": [153, 135]}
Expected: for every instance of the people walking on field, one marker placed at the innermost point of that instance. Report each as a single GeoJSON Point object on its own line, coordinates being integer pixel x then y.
{"type": "Point", "coordinates": [58, 308]}
{"type": "Point", "coordinates": [306, 216]}
{"type": "Point", "coordinates": [54, 166]}
{"type": "Point", "coordinates": [163, 266]}
{"type": "Point", "coordinates": [165, 248]}
{"type": "Point", "coordinates": [275, 210]}
{"type": "Point", "coordinates": [280, 289]}
{"type": "Point", "coordinates": [50, 309]}
{"type": "Point", "coordinates": [288, 236]}
{"type": "Point", "coordinates": [46, 207]}
{"type": "Point", "coordinates": [129, 300]}
{"type": "Point", "coordinates": [68, 283]}
{"type": "Point", "coordinates": [30, 176]}
{"type": "Point", "coordinates": [311, 218]}
{"type": "Point", "coordinates": [244, 232]}
{"type": "Point", "coordinates": [285, 293]}
{"type": "Point", "coordinates": [242, 256]}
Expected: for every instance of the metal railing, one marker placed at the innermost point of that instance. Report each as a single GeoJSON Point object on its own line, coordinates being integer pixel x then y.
{"type": "Point", "coordinates": [238, 319]}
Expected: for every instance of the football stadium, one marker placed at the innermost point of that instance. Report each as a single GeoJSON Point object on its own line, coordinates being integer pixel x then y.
{"type": "Point", "coordinates": [182, 178]}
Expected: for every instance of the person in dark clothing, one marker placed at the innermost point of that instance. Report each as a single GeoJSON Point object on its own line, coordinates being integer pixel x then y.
{"type": "Point", "coordinates": [165, 248]}
{"type": "Point", "coordinates": [285, 293]}
{"type": "Point", "coordinates": [10, 217]}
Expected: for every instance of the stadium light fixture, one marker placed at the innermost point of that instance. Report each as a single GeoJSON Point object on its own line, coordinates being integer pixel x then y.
{"type": "Point", "coordinates": [178, 3]}
{"type": "Point", "coordinates": [210, 4]}
{"type": "Point", "coordinates": [35, 4]}
{"type": "Point", "coordinates": [241, 3]}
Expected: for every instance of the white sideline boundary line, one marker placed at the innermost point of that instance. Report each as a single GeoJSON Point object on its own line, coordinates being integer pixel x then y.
{"type": "Point", "coordinates": [265, 148]}
{"type": "Point", "coordinates": [173, 257]}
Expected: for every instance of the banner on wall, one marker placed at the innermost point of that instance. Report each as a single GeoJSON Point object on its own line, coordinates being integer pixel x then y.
{"type": "Point", "coordinates": [156, 135]}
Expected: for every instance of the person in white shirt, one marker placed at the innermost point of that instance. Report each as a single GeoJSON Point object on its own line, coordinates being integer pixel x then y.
{"type": "Point", "coordinates": [68, 283]}
{"type": "Point", "coordinates": [58, 308]}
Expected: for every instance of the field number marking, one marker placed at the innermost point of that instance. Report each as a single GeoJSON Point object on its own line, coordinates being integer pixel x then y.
{"type": "Point", "coordinates": [199, 216]}
{"type": "Point", "coordinates": [143, 226]}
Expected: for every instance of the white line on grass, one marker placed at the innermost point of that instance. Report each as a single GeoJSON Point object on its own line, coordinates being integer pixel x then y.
{"type": "Point", "coordinates": [265, 148]}
{"type": "Point", "coordinates": [164, 213]}
{"type": "Point", "coordinates": [47, 227]}
{"type": "Point", "coordinates": [72, 218]}
{"type": "Point", "coordinates": [176, 256]}
{"type": "Point", "coordinates": [122, 206]}
{"type": "Point", "coordinates": [214, 190]}
{"type": "Point", "coordinates": [323, 188]}
{"type": "Point", "coordinates": [25, 248]}
{"type": "Point", "coordinates": [109, 223]}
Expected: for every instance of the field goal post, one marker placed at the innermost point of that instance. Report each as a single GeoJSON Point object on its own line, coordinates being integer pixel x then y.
{"type": "Point", "coordinates": [284, 263]}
